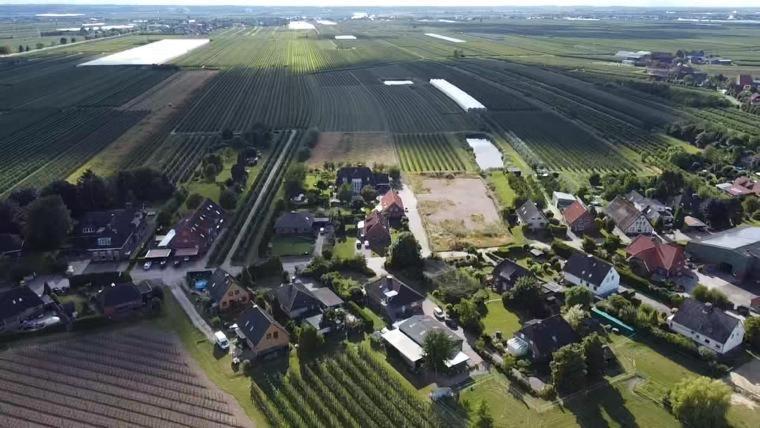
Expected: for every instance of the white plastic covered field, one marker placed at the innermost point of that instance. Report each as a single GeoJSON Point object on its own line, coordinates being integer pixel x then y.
{"type": "Point", "coordinates": [301, 25]}
{"type": "Point", "coordinates": [159, 52]}
{"type": "Point", "coordinates": [447, 38]}
{"type": "Point", "coordinates": [397, 82]}
{"type": "Point", "coordinates": [346, 37]}
{"type": "Point", "coordinates": [462, 98]}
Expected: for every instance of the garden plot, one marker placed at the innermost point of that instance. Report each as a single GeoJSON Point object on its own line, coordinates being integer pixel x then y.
{"type": "Point", "coordinates": [447, 38]}
{"type": "Point", "coordinates": [159, 52]}
{"type": "Point", "coordinates": [462, 98]}
{"type": "Point", "coordinates": [353, 148]}
{"type": "Point", "coordinates": [487, 156]}
{"type": "Point", "coordinates": [458, 212]}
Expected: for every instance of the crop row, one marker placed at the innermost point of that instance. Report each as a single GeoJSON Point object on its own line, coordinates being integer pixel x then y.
{"type": "Point", "coordinates": [350, 390]}
{"type": "Point", "coordinates": [428, 153]}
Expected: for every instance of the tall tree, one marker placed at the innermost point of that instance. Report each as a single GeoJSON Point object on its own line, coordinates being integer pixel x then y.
{"type": "Point", "coordinates": [579, 296]}
{"type": "Point", "coordinates": [93, 192]}
{"type": "Point", "coordinates": [752, 332]}
{"type": "Point", "coordinates": [405, 252]}
{"type": "Point", "coordinates": [701, 402]}
{"type": "Point", "coordinates": [67, 192]}
{"type": "Point", "coordinates": [568, 368]}
{"type": "Point", "coordinates": [47, 223]}
{"type": "Point", "coordinates": [437, 349]}
{"type": "Point", "coordinates": [593, 350]}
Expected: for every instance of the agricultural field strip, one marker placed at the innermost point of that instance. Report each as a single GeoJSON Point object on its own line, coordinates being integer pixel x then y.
{"type": "Point", "coordinates": [428, 153]}
{"type": "Point", "coordinates": [263, 195]}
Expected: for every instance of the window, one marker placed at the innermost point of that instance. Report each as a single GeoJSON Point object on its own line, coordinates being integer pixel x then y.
{"type": "Point", "coordinates": [275, 334]}
{"type": "Point", "coordinates": [707, 340]}
{"type": "Point", "coordinates": [269, 335]}
{"type": "Point", "coordinates": [237, 292]}
{"type": "Point", "coordinates": [103, 242]}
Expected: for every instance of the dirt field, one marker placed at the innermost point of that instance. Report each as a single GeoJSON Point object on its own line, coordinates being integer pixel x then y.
{"type": "Point", "coordinates": [367, 148]}
{"type": "Point", "coordinates": [133, 377]}
{"type": "Point", "coordinates": [164, 102]}
{"type": "Point", "coordinates": [458, 212]}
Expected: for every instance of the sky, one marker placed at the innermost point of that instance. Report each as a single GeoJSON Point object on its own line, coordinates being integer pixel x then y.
{"type": "Point", "coordinates": [360, 3]}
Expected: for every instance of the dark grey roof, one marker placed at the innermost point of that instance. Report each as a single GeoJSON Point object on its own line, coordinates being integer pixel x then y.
{"type": "Point", "coordinates": [587, 268]}
{"type": "Point", "coordinates": [105, 229]}
{"type": "Point", "coordinates": [17, 300]}
{"type": "Point", "coordinates": [295, 296]}
{"type": "Point", "coordinates": [705, 319]}
{"type": "Point", "coordinates": [349, 173]}
{"type": "Point", "coordinates": [380, 289]}
{"type": "Point", "coordinates": [550, 334]}
{"type": "Point", "coordinates": [327, 297]}
{"type": "Point", "coordinates": [219, 283]}
{"type": "Point", "coordinates": [295, 220]}
{"type": "Point", "coordinates": [508, 270]}
{"type": "Point", "coordinates": [117, 294]}
{"type": "Point", "coordinates": [255, 322]}
{"type": "Point", "coordinates": [418, 327]}
{"type": "Point", "coordinates": [529, 210]}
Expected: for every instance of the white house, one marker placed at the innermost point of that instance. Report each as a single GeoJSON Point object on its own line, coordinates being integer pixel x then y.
{"type": "Point", "coordinates": [707, 326]}
{"type": "Point", "coordinates": [590, 272]}
{"type": "Point", "coordinates": [529, 214]}
{"type": "Point", "coordinates": [562, 200]}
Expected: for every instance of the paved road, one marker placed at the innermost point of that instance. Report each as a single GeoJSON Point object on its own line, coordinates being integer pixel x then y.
{"type": "Point", "coordinates": [415, 221]}
{"type": "Point", "coordinates": [256, 205]}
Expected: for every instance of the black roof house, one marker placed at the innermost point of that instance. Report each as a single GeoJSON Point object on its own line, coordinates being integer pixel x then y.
{"type": "Point", "coordinates": [106, 229]}
{"type": "Point", "coordinates": [393, 298]}
{"type": "Point", "coordinates": [418, 327]}
{"type": "Point", "coordinates": [117, 294]}
{"type": "Point", "coordinates": [348, 174]}
{"type": "Point", "coordinates": [219, 283]}
{"type": "Point", "coordinates": [506, 274]}
{"type": "Point", "coordinates": [587, 268]}
{"type": "Point", "coordinates": [706, 320]}
{"type": "Point", "coordinates": [546, 336]}
{"type": "Point", "coordinates": [16, 301]}
{"type": "Point", "coordinates": [296, 297]}
{"type": "Point", "coordinates": [254, 323]}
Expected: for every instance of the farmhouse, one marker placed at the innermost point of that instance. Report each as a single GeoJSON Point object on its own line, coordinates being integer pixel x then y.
{"type": "Point", "coordinates": [392, 298]}
{"type": "Point", "coordinates": [296, 301]}
{"type": "Point", "coordinates": [407, 339]}
{"type": "Point", "coordinates": [627, 218]}
{"type": "Point", "coordinates": [119, 300]}
{"type": "Point", "coordinates": [736, 251]}
{"type": "Point", "coordinates": [707, 326]}
{"type": "Point", "coordinates": [16, 305]}
{"type": "Point", "coordinates": [578, 218]}
{"type": "Point", "coordinates": [392, 206]}
{"type": "Point", "coordinates": [541, 338]}
{"type": "Point", "coordinates": [376, 232]}
{"type": "Point", "coordinates": [225, 291]}
{"type": "Point", "coordinates": [654, 210]}
{"type": "Point", "coordinates": [562, 200]}
{"type": "Point", "coordinates": [262, 335]}
{"type": "Point", "coordinates": [638, 58]}
{"type": "Point", "coordinates": [506, 273]}
{"type": "Point", "coordinates": [743, 80]}
{"type": "Point", "coordinates": [294, 223]}
{"type": "Point", "coordinates": [109, 235]}
{"type": "Point", "coordinates": [529, 214]}
{"type": "Point", "coordinates": [650, 255]}
{"type": "Point", "coordinates": [194, 234]}
{"type": "Point", "coordinates": [359, 176]}
{"type": "Point", "coordinates": [593, 273]}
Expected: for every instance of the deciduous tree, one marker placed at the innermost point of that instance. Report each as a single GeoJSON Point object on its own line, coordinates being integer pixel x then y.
{"type": "Point", "coordinates": [437, 348]}
{"type": "Point", "coordinates": [47, 223]}
{"type": "Point", "coordinates": [568, 368]}
{"type": "Point", "coordinates": [405, 252]}
{"type": "Point", "coordinates": [701, 402]}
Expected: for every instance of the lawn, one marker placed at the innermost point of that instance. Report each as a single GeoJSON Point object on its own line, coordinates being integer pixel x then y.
{"type": "Point", "coordinates": [291, 246]}
{"type": "Point", "coordinates": [344, 248]}
{"type": "Point", "coordinates": [500, 319]}
{"type": "Point", "coordinates": [504, 193]}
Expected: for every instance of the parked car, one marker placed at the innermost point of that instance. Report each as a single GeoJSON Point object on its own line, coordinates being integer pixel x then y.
{"type": "Point", "coordinates": [162, 264]}
{"type": "Point", "coordinates": [742, 310]}
{"type": "Point", "coordinates": [321, 230]}
{"type": "Point", "coordinates": [147, 265]}
{"type": "Point", "coordinates": [177, 262]}
{"type": "Point", "coordinates": [221, 341]}
{"type": "Point", "coordinates": [439, 314]}
{"type": "Point", "coordinates": [451, 322]}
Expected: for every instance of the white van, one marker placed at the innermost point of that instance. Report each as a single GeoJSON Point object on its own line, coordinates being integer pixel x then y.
{"type": "Point", "coordinates": [221, 341]}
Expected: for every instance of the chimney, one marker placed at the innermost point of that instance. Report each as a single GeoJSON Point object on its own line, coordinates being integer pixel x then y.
{"type": "Point", "coordinates": [388, 281]}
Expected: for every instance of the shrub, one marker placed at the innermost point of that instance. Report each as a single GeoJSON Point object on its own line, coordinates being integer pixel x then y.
{"type": "Point", "coordinates": [561, 249]}
{"type": "Point", "coordinates": [367, 323]}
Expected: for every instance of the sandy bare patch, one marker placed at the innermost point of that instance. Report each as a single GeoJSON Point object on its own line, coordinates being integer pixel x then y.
{"type": "Point", "coordinates": [458, 212]}
{"type": "Point", "coordinates": [367, 148]}
{"type": "Point", "coordinates": [164, 101]}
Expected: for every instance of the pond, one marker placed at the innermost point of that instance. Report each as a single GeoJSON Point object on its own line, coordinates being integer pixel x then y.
{"type": "Point", "coordinates": [487, 156]}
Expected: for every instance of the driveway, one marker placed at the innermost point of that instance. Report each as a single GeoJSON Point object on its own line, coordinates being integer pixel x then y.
{"type": "Point", "coordinates": [737, 295]}
{"type": "Point", "coordinates": [475, 359]}
{"type": "Point", "coordinates": [415, 221]}
{"type": "Point", "coordinates": [660, 307]}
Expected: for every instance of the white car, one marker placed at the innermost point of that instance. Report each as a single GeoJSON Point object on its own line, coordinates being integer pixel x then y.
{"type": "Point", "coordinates": [438, 313]}
{"type": "Point", "coordinates": [221, 341]}
{"type": "Point", "coordinates": [147, 265]}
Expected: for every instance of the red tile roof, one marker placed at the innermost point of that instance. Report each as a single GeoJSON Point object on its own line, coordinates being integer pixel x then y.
{"type": "Point", "coordinates": [391, 198]}
{"type": "Point", "coordinates": [573, 212]}
{"type": "Point", "coordinates": [655, 254]}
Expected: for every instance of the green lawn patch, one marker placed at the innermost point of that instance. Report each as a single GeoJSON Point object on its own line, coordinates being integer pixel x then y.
{"type": "Point", "coordinates": [291, 246]}
{"type": "Point", "coordinates": [344, 248]}
{"type": "Point", "coordinates": [504, 193]}
{"type": "Point", "coordinates": [500, 319]}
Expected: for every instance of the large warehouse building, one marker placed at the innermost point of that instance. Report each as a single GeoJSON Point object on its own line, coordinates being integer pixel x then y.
{"type": "Point", "coordinates": [735, 250]}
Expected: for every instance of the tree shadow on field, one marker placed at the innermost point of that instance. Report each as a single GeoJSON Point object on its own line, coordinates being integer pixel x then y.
{"type": "Point", "coordinates": [589, 407]}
